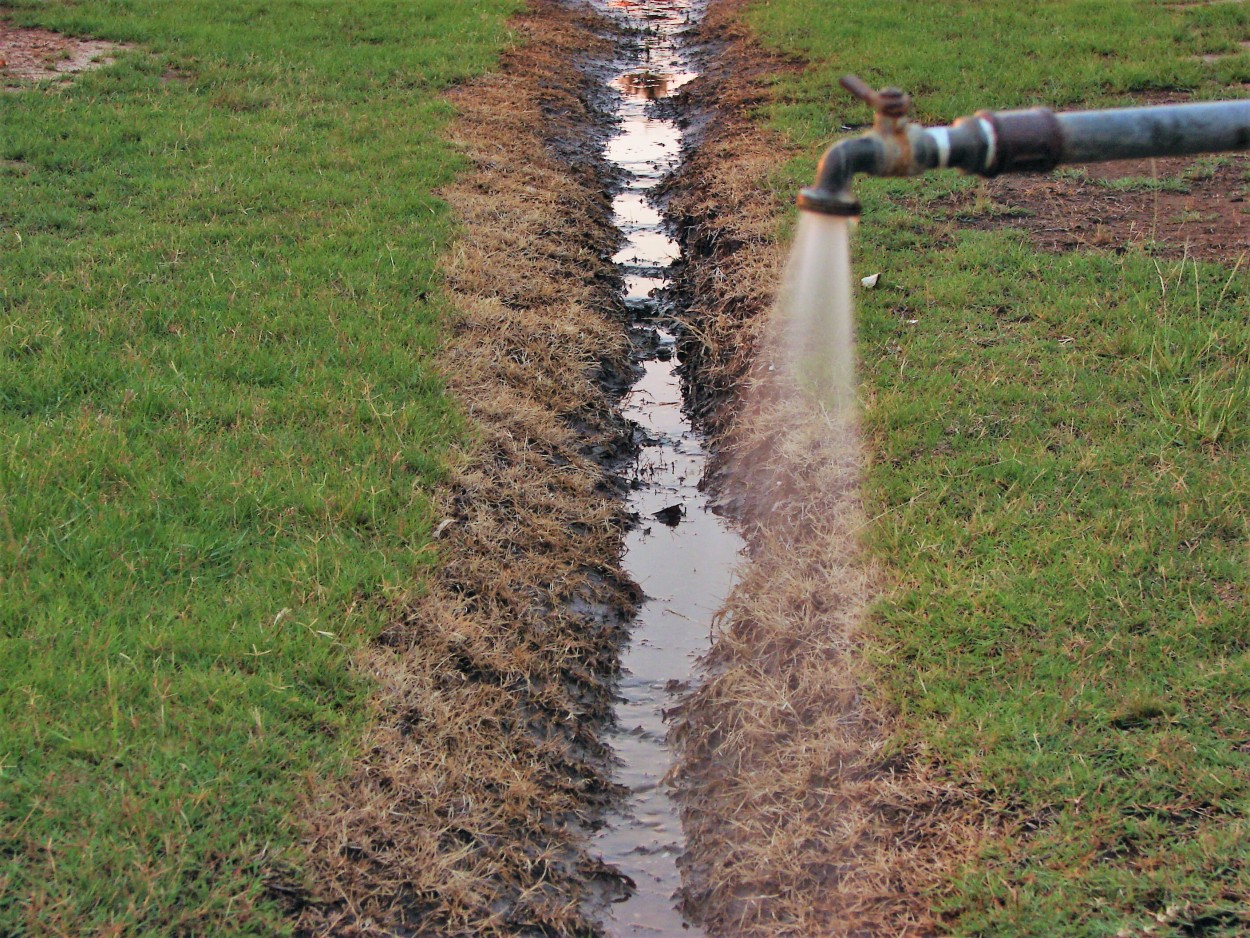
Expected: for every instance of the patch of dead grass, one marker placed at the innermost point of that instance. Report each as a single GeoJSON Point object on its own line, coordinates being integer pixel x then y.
{"type": "Point", "coordinates": [800, 820]}
{"type": "Point", "coordinates": [466, 815]}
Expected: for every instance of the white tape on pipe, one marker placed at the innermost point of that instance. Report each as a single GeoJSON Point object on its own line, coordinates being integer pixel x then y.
{"type": "Point", "coordinates": [941, 137]}
{"type": "Point", "coordinates": [991, 150]}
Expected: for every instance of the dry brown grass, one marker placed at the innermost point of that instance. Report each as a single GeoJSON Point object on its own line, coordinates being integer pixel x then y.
{"type": "Point", "coordinates": [801, 821]}
{"type": "Point", "coordinates": [466, 816]}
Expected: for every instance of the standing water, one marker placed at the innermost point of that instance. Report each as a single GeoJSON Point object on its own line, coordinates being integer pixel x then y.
{"type": "Point", "coordinates": [817, 313]}
{"type": "Point", "coordinates": [680, 553]}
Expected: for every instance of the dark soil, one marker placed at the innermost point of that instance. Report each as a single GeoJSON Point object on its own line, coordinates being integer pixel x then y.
{"type": "Point", "coordinates": [1174, 207]}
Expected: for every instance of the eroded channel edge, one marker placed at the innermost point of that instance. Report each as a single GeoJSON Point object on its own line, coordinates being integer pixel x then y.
{"type": "Point", "coordinates": [467, 813]}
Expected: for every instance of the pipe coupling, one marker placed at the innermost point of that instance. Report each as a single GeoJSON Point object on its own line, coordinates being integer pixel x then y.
{"type": "Point", "coordinates": [1029, 141]}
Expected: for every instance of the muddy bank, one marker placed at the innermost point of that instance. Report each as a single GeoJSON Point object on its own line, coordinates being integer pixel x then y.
{"type": "Point", "coordinates": [800, 821]}
{"type": "Point", "coordinates": [469, 814]}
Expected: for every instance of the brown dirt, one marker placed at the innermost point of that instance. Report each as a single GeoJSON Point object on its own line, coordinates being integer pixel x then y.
{"type": "Point", "coordinates": [31, 55]}
{"type": "Point", "coordinates": [467, 814]}
{"type": "Point", "coordinates": [800, 823]}
{"type": "Point", "coordinates": [1109, 206]}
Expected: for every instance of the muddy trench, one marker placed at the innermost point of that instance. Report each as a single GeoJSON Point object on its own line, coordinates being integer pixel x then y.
{"type": "Point", "coordinates": [561, 747]}
{"type": "Point", "coordinates": [514, 783]}
{"type": "Point", "coordinates": [679, 551]}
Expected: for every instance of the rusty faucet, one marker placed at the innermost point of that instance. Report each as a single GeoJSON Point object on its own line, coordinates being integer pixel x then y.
{"type": "Point", "coordinates": [1034, 140]}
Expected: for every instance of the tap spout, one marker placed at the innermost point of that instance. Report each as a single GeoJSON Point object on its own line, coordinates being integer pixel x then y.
{"type": "Point", "coordinates": [831, 194]}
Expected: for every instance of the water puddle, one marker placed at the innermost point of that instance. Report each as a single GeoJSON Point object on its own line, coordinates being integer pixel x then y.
{"type": "Point", "coordinates": [681, 554]}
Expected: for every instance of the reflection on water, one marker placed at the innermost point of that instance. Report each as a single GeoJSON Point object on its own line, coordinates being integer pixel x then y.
{"type": "Point", "coordinates": [681, 554]}
{"type": "Point", "coordinates": [652, 86]}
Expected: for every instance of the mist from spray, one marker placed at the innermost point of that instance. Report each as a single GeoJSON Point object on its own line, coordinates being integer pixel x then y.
{"type": "Point", "coordinates": [817, 313]}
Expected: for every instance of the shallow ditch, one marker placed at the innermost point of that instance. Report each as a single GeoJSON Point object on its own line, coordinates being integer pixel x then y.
{"type": "Point", "coordinates": [681, 554]}
{"type": "Point", "coordinates": [502, 793]}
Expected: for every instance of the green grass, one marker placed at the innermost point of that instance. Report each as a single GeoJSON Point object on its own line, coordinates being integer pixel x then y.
{"type": "Point", "coordinates": [218, 430]}
{"type": "Point", "coordinates": [1060, 483]}
{"type": "Point", "coordinates": [958, 58]}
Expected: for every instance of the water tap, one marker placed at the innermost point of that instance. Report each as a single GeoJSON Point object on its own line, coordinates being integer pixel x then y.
{"type": "Point", "coordinates": [886, 150]}
{"type": "Point", "coordinates": [1035, 140]}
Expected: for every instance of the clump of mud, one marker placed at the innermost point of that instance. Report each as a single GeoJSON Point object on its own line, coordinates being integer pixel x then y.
{"type": "Point", "coordinates": [29, 55]}
{"type": "Point", "coordinates": [467, 815]}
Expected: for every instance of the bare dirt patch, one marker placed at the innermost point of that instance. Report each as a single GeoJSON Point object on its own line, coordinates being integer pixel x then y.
{"type": "Point", "coordinates": [1175, 207]}
{"type": "Point", "coordinates": [28, 55]}
{"type": "Point", "coordinates": [468, 814]}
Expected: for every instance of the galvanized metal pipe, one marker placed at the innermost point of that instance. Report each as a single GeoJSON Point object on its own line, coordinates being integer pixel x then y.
{"type": "Point", "coordinates": [1165, 130]}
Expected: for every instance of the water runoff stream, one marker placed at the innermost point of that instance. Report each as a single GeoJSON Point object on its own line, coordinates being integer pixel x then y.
{"type": "Point", "coordinates": [681, 554]}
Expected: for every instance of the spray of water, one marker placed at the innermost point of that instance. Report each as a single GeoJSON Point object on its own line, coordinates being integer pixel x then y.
{"type": "Point", "coordinates": [816, 312]}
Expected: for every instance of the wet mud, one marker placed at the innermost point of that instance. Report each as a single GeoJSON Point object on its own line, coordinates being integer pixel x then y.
{"type": "Point", "coordinates": [681, 554]}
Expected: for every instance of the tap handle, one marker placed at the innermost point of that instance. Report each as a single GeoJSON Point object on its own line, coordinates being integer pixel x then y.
{"type": "Point", "coordinates": [860, 89]}
{"type": "Point", "coordinates": [889, 102]}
